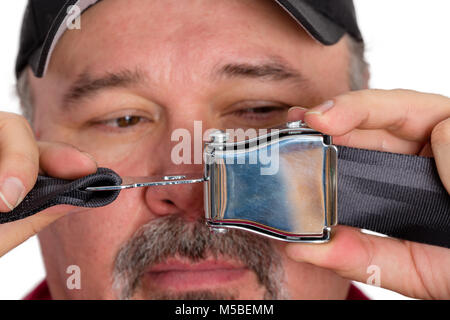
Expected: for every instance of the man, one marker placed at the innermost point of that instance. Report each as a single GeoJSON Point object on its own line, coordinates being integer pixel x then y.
{"type": "Point", "coordinates": [114, 91]}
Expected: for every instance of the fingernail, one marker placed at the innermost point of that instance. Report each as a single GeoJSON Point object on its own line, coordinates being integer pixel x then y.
{"type": "Point", "coordinates": [296, 108]}
{"type": "Point", "coordinates": [12, 192]}
{"type": "Point", "coordinates": [322, 108]}
{"type": "Point", "coordinates": [296, 113]}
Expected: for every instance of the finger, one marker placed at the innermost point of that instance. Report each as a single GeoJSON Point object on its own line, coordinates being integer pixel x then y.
{"type": "Point", "coordinates": [19, 160]}
{"type": "Point", "coordinates": [14, 233]}
{"type": "Point", "coordinates": [440, 144]}
{"type": "Point", "coordinates": [407, 114]}
{"type": "Point", "coordinates": [63, 161]}
{"type": "Point", "coordinates": [412, 269]}
{"type": "Point", "coordinates": [380, 140]}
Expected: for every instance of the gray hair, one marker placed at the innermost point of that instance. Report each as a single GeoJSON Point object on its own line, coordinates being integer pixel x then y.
{"type": "Point", "coordinates": [358, 76]}
{"type": "Point", "coordinates": [358, 66]}
{"type": "Point", "coordinates": [24, 93]}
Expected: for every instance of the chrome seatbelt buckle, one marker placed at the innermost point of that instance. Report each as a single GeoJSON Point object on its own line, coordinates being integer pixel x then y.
{"type": "Point", "coordinates": [281, 184]}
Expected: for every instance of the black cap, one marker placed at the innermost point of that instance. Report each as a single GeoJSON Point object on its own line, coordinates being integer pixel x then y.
{"type": "Point", "coordinates": [45, 21]}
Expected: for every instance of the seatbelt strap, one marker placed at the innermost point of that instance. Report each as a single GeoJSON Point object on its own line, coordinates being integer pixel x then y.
{"type": "Point", "coordinates": [49, 192]}
{"type": "Point", "coordinates": [397, 195]}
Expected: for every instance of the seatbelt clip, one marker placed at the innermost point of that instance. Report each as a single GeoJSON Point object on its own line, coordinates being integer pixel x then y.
{"type": "Point", "coordinates": [297, 202]}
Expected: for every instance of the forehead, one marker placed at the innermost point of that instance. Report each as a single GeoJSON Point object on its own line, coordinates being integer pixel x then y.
{"type": "Point", "coordinates": [164, 37]}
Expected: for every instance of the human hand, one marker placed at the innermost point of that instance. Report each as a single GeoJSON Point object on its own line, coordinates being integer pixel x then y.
{"type": "Point", "coordinates": [21, 159]}
{"type": "Point", "coordinates": [398, 121]}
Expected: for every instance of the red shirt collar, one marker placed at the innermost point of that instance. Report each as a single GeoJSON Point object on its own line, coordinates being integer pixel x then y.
{"type": "Point", "coordinates": [41, 292]}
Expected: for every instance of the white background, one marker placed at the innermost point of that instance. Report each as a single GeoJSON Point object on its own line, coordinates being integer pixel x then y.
{"type": "Point", "coordinates": [408, 47]}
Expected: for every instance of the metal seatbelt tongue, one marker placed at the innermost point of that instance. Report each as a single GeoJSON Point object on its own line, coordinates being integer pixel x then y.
{"type": "Point", "coordinates": [93, 191]}
{"type": "Point", "coordinates": [397, 195]}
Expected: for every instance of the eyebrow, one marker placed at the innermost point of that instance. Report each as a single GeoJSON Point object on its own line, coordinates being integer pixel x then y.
{"type": "Point", "coordinates": [275, 69]}
{"type": "Point", "coordinates": [86, 85]}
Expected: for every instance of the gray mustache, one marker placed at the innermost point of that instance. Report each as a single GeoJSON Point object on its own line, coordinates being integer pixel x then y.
{"type": "Point", "coordinates": [173, 235]}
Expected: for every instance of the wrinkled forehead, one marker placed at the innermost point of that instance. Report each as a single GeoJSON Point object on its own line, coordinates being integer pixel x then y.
{"type": "Point", "coordinates": [117, 31]}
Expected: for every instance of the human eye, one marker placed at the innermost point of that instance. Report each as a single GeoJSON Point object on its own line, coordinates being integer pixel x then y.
{"type": "Point", "coordinates": [258, 114]}
{"type": "Point", "coordinates": [124, 122]}
{"type": "Point", "coordinates": [121, 122]}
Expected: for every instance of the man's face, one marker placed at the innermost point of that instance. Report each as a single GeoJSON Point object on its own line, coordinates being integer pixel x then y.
{"type": "Point", "coordinates": [117, 88]}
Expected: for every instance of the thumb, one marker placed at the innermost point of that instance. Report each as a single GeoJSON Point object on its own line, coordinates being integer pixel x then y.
{"type": "Point", "coordinates": [14, 233]}
{"type": "Point", "coordinates": [412, 269]}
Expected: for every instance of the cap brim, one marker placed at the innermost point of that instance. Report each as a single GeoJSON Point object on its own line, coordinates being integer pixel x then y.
{"type": "Point", "coordinates": [41, 58]}
{"type": "Point", "coordinates": [315, 24]}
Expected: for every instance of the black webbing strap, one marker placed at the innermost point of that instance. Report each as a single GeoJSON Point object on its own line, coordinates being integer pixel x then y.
{"type": "Point", "coordinates": [49, 192]}
{"type": "Point", "coordinates": [398, 195]}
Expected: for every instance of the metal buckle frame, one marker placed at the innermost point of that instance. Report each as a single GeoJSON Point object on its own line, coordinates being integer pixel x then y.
{"type": "Point", "coordinates": [297, 204]}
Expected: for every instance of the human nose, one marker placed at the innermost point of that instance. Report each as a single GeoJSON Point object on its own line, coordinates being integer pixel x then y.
{"type": "Point", "coordinates": [184, 199]}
